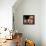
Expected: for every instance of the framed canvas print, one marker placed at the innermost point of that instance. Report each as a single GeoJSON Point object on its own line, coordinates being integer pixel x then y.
{"type": "Point", "coordinates": [29, 19]}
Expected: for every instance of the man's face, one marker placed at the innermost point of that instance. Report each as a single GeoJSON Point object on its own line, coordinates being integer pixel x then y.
{"type": "Point", "coordinates": [30, 20]}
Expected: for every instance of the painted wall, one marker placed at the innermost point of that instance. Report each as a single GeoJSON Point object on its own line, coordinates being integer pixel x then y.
{"type": "Point", "coordinates": [28, 7]}
{"type": "Point", "coordinates": [6, 13]}
{"type": "Point", "coordinates": [43, 22]}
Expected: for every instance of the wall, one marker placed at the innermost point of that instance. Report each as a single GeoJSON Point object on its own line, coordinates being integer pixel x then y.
{"type": "Point", "coordinates": [43, 22]}
{"type": "Point", "coordinates": [6, 13]}
{"type": "Point", "coordinates": [28, 7]}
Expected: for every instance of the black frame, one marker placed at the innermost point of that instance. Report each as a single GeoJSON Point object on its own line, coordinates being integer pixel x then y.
{"type": "Point", "coordinates": [25, 17]}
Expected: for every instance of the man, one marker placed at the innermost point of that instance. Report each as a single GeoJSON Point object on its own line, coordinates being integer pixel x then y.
{"type": "Point", "coordinates": [31, 20]}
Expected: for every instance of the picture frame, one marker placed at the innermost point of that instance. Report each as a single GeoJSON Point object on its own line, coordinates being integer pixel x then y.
{"type": "Point", "coordinates": [29, 19]}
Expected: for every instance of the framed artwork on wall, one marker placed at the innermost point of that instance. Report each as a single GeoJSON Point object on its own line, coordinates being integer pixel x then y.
{"type": "Point", "coordinates": [29, 19]}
